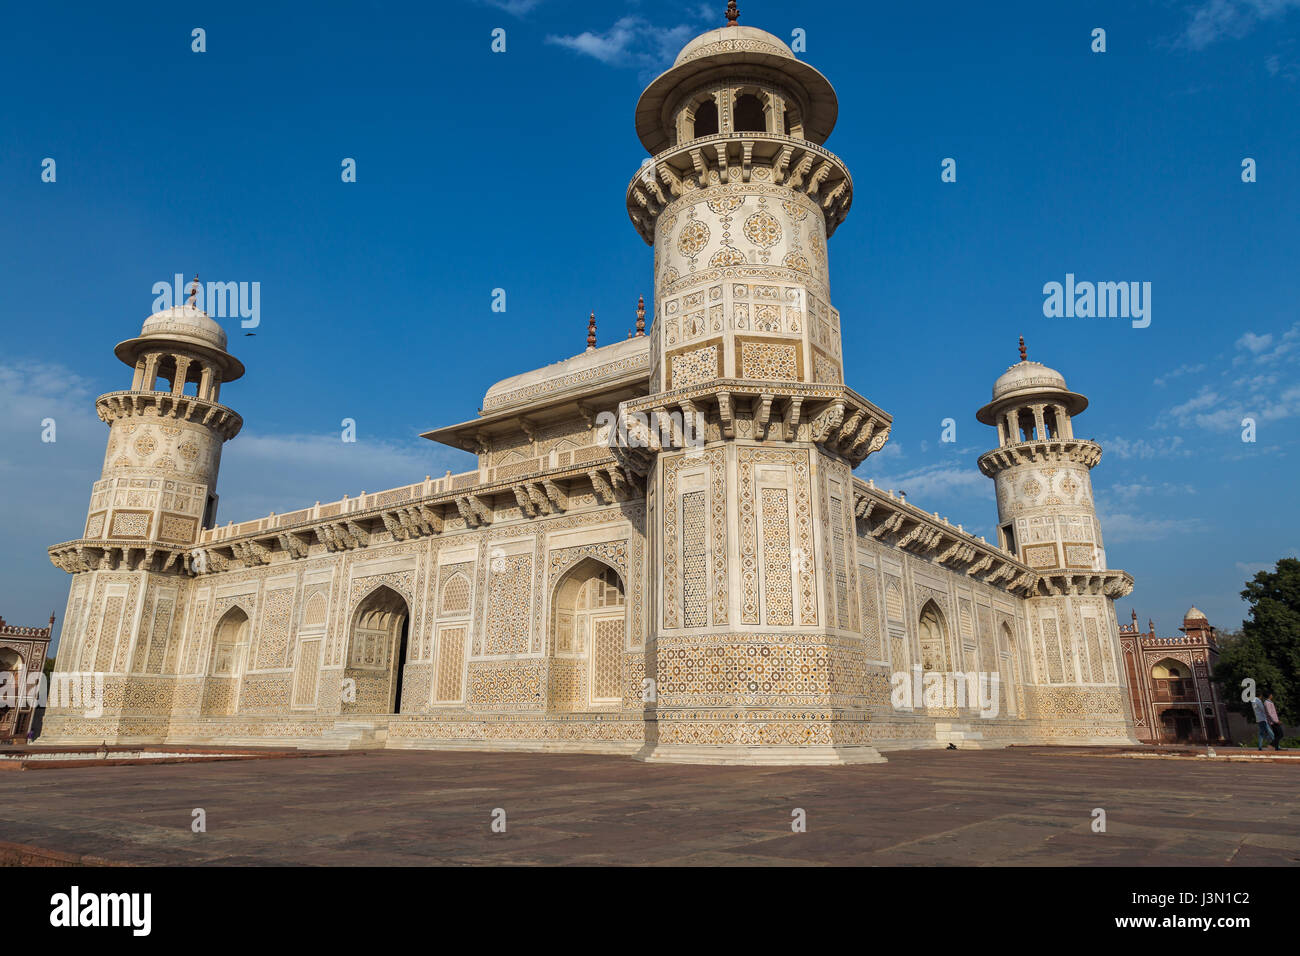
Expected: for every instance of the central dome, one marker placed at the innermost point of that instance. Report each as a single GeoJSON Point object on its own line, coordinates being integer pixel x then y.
{"type": "Point", "coordinates": [733, 39]}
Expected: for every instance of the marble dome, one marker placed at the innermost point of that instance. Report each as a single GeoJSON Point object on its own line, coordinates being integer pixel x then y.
{"type": "Point", "coordinates": [733, 39]}
{"type": "Point", "coordinates": [186, 323]}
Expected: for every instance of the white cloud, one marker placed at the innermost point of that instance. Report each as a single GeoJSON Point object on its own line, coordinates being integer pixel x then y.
{"type": "Point", "coordinates": [1214, 20]}
{"type": "Point", "coordinates": [631, 42]}
{"type": "Point", "coordinates": [1255, 343]}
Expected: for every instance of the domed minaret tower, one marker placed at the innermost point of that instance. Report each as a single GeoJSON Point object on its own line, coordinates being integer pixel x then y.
{"type": "Point", "coordinates": [156, 491]}
{"type": "Point", "coordinates": [756, 613]}
{"type": "Point", "coordinates": [1047, 518]}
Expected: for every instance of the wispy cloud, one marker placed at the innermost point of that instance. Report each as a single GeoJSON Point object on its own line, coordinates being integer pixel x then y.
{"type": "Point", "coordinates": [1144, 448]}
{"type": "Point", "coordinates": [631, 42]}
{"type": "Point", "coordinates": [1214, 20]}
{"type": "Point", "coordinates": [516, 8]}
{"type": "Point", "coordinates": [1121, 527]}
{"type": "Point", "coordinates": [1178, 373]}
{"type": "Point", "coordinates": [1265, 386]}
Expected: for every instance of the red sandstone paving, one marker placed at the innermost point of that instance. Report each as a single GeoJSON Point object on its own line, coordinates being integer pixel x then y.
{"type": "Point", "coordinates": [1022, 807]}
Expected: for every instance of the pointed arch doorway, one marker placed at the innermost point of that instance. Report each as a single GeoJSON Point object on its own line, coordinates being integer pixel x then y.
{"type": "Point", "coordinates": [588, 631]}
{"type": "Point", "coordinates": [377, 650]}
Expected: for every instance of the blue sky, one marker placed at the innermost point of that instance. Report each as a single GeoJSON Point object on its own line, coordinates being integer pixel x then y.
{"type": "Point", "coordinates": [478, 170]}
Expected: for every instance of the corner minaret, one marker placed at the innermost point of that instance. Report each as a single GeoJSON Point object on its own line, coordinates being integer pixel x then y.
{"type": "Point", "coordinates": [156, 491]}
{"type": "Point", "coordinates": [756, 616]}
{"type": "Point", "coordinates": [165, 433]}
{"type": "Point", "coordinates": [1047, 518]}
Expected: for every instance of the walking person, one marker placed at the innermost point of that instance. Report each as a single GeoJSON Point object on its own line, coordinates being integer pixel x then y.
{"type": "Point", "coordinates": [1274, 722]}
{"type": "Point", "coordinates": [1261, 718]}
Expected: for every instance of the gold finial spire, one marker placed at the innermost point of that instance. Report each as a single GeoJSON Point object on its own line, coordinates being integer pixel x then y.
{"type": "Point", "coordinates": [1024, 355]}
{"type": "Point", "coordinates": [194, 289]}
{"type": "Point", "coordinates": [640, 315]}
{"type": "Point", "coordinates": [591, 332]}
{"type": "Point", "coordinates": [732, 13]}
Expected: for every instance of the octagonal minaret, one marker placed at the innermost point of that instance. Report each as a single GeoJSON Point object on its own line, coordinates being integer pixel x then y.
{"type": "Point", "coordinates": [156, 491]}
{"type": "Point", "coordinates": [166, 431]}
{"type": "Point", "coordinates": [757, 636]}
{"type": "Point", "coordinates": [1047, 518]}
{"type": "Point", "coordinates": [739, 187]}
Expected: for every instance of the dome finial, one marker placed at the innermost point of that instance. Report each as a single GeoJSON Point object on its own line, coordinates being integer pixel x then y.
{"type": "Point", "coordinates": [194, 290]}
{"type": "Point", "coordinates": [640, 316]}
{"type": "Point", "coordinates": [1024, 354]}
{"type": "Point", "coordinates": [591, 332]}
{"type": "Point", "coordinates": [732, 13]}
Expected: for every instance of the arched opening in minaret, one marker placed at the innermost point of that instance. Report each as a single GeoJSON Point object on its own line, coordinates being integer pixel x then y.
{"type": "Point", "coordinates": [588, 630]}
{"type": "Point", "coordinates": [1049, 422]}
{"type": "Point", "coordinates": [377, 649]}
{"type": "Point", "coordinates": [1025, 423]}
{"type": "Point", "coordinates": [749, 116]}
{"type": "Point", "coordinates": [706, 119]}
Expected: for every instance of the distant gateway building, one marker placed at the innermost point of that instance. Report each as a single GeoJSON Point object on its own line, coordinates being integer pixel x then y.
{"type": "Point", "coordinates": [744, 601]}
{"type": "Point", "coordinates": [22, 655]}
{"type": "Point", "coordinates": [1174, 698]}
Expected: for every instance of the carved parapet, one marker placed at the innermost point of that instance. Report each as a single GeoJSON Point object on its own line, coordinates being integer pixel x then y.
{"type": "Point", "coordinates": [796, 163]}
{"type": "Point", "coordinates": [127, 404]}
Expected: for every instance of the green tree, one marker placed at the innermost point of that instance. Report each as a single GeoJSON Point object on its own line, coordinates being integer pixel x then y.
{"type": "Point", "coordinates": [1267, 649]}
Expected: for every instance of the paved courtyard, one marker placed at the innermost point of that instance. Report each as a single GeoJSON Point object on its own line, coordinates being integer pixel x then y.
{"type": "Point", "coordinates": [1011, 807]}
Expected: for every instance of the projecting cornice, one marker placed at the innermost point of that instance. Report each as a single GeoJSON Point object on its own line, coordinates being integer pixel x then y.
{"type": "Point", "coordinates": [833, 416]}
{"type": "Point", "coordinates": [1023, 453]}
{"type": "Point", "coordinates": [1111, 583]}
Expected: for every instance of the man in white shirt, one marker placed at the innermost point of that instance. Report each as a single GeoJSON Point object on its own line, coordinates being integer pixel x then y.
{"type": "Point", "coordinates": [1261, 718]}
